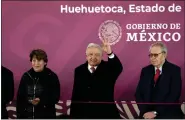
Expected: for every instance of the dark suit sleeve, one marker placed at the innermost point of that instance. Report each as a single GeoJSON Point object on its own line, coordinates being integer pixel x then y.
{"type": "Point", "coordinates": [10, 87]}
{"type": "Point", "coordinates": [21, 98]}
{"type": "Point", "coordinates": [52, 93]}
{"type": "Point", "coordinates": [175, 90]}
{"type": "Point", "coordinates": [176, 85]}
{"type": "Point", "coordinates": [115, 66]}
{"type": "Point", "coordinates": [55, 90]}
{"type": "Point", "coordinates": [139, 97]}
{"type": "Point", "coordinates": [75, 95]}
{"type": "Point", "coordinates": [7, 84]}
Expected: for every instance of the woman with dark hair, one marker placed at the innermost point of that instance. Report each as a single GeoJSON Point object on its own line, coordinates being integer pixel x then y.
{"type": "Point", "coordinates": [39, 89]}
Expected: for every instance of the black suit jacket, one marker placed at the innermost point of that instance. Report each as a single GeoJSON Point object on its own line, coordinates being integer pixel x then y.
{"type": "Point", "coordinates": [166, 90]}
{"type": "Point", "coordinates": [7, 90]}
{"type": "Point", "coordinates": [97, 87]}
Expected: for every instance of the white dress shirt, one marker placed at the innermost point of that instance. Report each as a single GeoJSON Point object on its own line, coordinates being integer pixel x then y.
{"type": "Point", "coordinates": [89, 66]}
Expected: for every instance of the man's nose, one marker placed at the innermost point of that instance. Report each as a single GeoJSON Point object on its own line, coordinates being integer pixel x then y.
{"type": "Point", "coordinates": [93, 57]}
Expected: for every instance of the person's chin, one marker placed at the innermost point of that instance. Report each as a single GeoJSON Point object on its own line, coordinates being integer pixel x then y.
{"type": "Point", "coordinates": [155, 65]}
{"type": "Point", "coordinates": [93, 64]}
{"type": "Point", "coordinates": [37, 70]}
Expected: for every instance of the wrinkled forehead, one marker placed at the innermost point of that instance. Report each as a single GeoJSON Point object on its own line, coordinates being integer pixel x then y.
{"type": "Point", "coordinates": [94, 50]}
{"type": "Point", "coordinates": [155, 49]}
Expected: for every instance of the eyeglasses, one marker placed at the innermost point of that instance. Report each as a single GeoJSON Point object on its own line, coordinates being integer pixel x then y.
{"type": "Point", "coordinates": [155, 54]}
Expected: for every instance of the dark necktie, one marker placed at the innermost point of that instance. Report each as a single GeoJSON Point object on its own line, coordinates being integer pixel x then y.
{"type": "Point", "coordinates": [157, 74]}
{"type": "Point", "coordinates": [92, 69]}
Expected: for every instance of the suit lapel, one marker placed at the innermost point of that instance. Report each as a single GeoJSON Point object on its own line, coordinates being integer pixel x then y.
{"type": "Point", "coordinates": [151, 75]}
{"type": "Point", "coordinates": [99, 68]}
{"type": "Point", "coordinates": [86, 70]}
{"type": "Point", "coordinates": [164, 74]}
{"type": "Point", "coordinates": [150, 81]}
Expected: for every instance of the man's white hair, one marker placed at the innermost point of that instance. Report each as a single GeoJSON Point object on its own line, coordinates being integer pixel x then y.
{"type": "Point", "coordinates": [160, 44]}
{"type": "Point", "coordinates": [95, 46]}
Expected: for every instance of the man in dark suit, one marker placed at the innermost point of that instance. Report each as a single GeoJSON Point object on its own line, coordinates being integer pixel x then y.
{"type": "Point", "coordinates": [159, 88]}
{"type": "Point", "coordinates": [93, 90]}
{"type": "Point", "coordinates": [7, 90]}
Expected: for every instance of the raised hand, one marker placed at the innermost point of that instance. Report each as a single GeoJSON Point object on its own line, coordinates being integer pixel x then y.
{"type": "Point", "coordinates": [106, 47]}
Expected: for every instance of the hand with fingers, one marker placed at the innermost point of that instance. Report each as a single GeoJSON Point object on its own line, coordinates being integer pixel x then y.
{"type": "Point", "coordinates": [35, 101]}
{"type": "Point", "coordinates": [149, 115]}
{"type": "Point", "coordinates": [106, 46]}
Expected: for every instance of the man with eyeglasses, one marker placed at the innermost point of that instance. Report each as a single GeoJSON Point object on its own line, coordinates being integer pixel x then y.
{"type": "Point", "coordinates": [93, 89]}
{"type": "Point", "coordinates": [159, 88]}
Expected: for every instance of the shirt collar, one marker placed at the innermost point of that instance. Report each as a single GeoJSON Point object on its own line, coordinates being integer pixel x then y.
{"type": "Point", "coordinates": [160, 68]}
{"type": "Point", "coordinates": [89, 67]}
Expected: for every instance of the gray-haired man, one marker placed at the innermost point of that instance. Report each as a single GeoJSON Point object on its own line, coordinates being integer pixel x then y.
{"type": "Point", "coordinates": [93, 90]}
{"type": "Point", "coordinates": [159, 88]}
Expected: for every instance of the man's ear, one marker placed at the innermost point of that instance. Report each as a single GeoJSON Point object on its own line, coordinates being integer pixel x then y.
{"type": "Point", "coordinates": [86, 57]}
{"type": "Point", "coordinates": [165, 55]}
